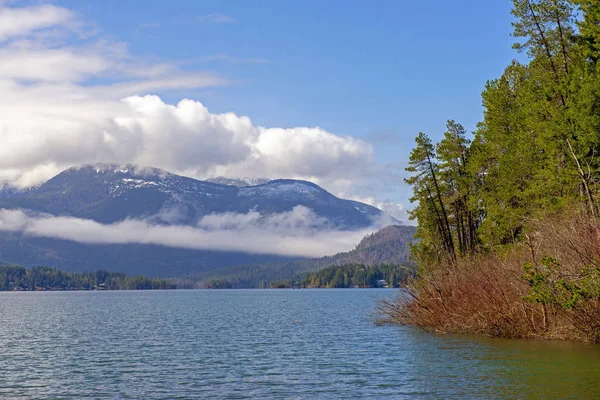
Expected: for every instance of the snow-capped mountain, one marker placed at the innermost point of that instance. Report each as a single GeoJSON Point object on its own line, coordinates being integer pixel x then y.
{"type": "Point", "coordinates": [109, 193]}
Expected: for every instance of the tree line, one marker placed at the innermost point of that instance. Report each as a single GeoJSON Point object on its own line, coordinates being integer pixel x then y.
{"type": "Point", "coordinates": [16, 278]}
{"type": "Point", "coordinates": [359, 276]}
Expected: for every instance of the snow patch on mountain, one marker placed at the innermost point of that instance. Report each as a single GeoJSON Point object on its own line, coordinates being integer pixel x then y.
{"type": "Point", "coordinates": [240, 182]}
{"type": "Point", "coordinates": [283, 189]}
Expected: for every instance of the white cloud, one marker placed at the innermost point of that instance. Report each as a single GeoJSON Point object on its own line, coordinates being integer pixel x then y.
{"type": "Point", "coordinates": [68, 102]}
{"type": "Point", "coordinates": [296, 233]}
{"type": "Point", "coordinates": [299, 221]}
{"type": "Point", "coordinates": [63, 104]}
{"type": "Point", "coordinates": [63, 65]}
{"type": "Point", "coordinates": [182, 81]}
{"type": "Point", "coordinates": [16, 22]}
{"type": "Point", "coordinates": [392, 209]}
{"type": "Point", "coordinates": [36, 47]}
{"type": "Point", "coordinates": [77, 125]}
{"type": "Point", "coordinates": [396, 210]}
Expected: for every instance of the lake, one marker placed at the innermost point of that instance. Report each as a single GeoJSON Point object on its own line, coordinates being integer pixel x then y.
{"type": "Point", "coordinates": [246, 344]}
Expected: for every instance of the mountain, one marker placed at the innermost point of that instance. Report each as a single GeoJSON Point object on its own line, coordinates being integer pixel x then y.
{"type": "Point", "coordinates": [109, 193]}
{"type": "Point", "coordinates": [390, 245]}
{"type": "Point", "coordinates": [242, 182]}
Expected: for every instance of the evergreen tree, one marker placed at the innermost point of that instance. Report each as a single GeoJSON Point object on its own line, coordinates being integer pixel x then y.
{"type": "Point", "coordinates": [434, 226]}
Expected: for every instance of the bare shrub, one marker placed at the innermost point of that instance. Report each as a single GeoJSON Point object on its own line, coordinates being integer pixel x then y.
{"type": "Point", "coordinates": [547, 287]}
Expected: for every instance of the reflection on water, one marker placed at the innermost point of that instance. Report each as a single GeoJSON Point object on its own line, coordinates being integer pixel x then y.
{"type": "Point", "coordinates": [497, 368]}
{"type": "Point", "coordinates": [272, 344]}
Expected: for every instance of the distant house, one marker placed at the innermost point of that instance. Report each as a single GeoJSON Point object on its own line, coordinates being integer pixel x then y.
{"type": "Point", "coordinates": [381, 282]}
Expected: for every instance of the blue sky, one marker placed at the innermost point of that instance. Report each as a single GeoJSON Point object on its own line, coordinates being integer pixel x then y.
{"type": "Point", "coordinates": [351, 67]}
{"type": "Point", "coordinates": [379, 71]}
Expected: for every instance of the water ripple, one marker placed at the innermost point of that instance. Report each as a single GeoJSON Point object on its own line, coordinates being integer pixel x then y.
{"type": "Point", "coordinates": [298, 344]}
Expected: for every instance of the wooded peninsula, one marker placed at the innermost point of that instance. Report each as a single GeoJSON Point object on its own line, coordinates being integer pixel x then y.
{"type": "Point", "coordinates": [509, 236]}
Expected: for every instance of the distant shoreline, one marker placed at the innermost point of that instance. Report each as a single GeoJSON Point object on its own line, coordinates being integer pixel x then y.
{"type": "Point", "coordinates": [185, 289]}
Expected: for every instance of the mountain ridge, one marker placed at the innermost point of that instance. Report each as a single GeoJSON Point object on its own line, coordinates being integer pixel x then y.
{"type": "Point", "coordinates": [111, 193]}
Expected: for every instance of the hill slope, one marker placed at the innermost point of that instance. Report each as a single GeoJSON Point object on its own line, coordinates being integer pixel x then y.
{"type": "Point", "coordinates": [390, 245]}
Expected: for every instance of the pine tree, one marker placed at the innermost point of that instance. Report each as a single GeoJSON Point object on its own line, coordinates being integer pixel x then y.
{"type": "Point", "coordinates": [431, 210]}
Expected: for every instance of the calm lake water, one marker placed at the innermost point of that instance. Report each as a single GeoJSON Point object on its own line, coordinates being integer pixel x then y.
{"type": "Point", "coordinates": [305, 344]}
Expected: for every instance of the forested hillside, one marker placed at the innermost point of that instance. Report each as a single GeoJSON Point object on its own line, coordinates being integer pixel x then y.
{"type": "Point", "coordinates": [508, 217]}
{"type": "Point", "coordinates": [358, 276]}
{"type": "Point", "coordinates": [390, 245]}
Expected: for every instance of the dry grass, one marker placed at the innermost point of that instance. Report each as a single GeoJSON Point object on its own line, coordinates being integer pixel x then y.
{"type": "Point", "coordinates": [486, 294]}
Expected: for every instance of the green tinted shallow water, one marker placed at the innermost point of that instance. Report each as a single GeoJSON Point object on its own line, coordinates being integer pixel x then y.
{"type": "Point", "coordinates": [306, 344]}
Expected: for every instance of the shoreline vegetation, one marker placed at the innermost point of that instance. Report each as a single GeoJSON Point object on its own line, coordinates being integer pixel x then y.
{"type": "Point", "coordinates": [508, 227]}
{"type": "Point", "coordinates": [359, 276]}
{"type": "Point", "coordinates": [345, 276]}
{"type": "Point", "coordinates": [20, 279]}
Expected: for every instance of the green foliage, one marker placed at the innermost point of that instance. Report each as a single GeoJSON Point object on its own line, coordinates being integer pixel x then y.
{"type": "Point", "coordinates": [549, 285]}
{"type": "Point", "coordinates": [45, 278]}
{"type": "Point", "coordinates": [443, 185]}
{"type": "Point", "coordinates": [358, 275]}
{"type": "Point", "coordinates": [218, 284]}
{"type": "Point", "coordinates": [589, 37]}
{"type": "Point", "coordinates": [282, 284]}
{"type": "Point", "coordinates": [535, 153]}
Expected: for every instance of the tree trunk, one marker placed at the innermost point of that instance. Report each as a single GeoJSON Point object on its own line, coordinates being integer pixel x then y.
{"type": "Point", "coordinates": [562, 39]}
{"type": "Point", "coordinates": [584, 181]}
{"type": "Point", "coordinates": [443, 209]}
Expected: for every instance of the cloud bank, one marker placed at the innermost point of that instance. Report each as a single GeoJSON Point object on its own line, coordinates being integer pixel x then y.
{"type": "Point", "coordinates": [295, 233]}
{"type": "Point", "coordinates": [71, 96]}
